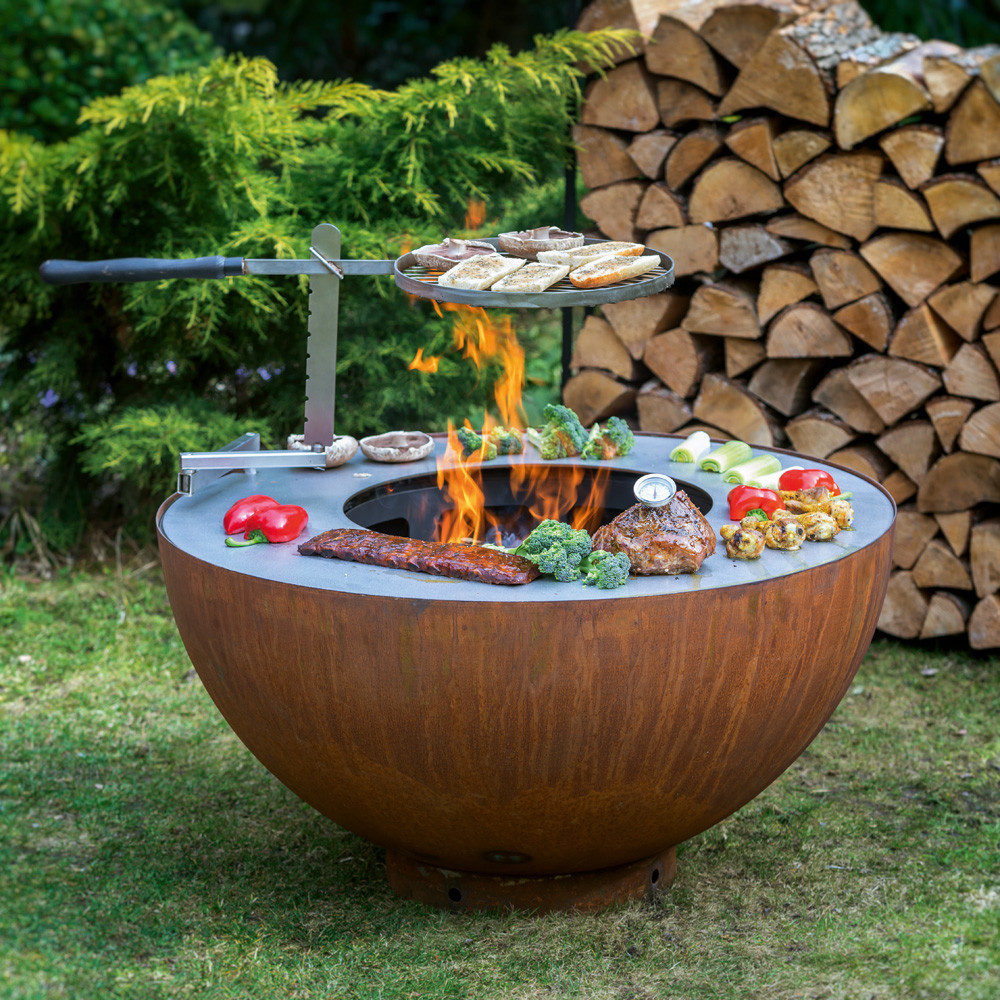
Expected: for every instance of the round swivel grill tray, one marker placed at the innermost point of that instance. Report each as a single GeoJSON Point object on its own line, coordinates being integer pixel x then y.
{"type": "Point", "coordinates": [423, 282]}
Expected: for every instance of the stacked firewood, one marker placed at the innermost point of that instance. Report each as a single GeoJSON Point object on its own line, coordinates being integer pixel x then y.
{"type": "Point", "coordinates": [830, 194]}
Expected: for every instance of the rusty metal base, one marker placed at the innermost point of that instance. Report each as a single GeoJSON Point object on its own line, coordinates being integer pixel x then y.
{"type": "Point", "coordinates": [583, 891]}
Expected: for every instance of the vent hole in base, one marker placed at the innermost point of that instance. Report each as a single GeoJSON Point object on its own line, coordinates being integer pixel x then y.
{"type": "Point", "coordinates": [655, 877]}
{"type": "Point", "coordinates": [455, 895]}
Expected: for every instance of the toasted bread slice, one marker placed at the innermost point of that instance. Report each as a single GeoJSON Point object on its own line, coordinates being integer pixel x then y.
{"type": "Point", "coordinates": [532, 278]}
{"type": "Point", "coordinates": [579, 256]}
{"type": "Point", "coordinates": [609, 270]}
{"type": "Point", "coordinates": [479, 273]}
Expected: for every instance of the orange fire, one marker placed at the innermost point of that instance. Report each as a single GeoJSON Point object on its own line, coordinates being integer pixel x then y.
{"type": "Point", "coordinates": [422, 364]}
{"type": "Point", "coordinates": [475, 214]}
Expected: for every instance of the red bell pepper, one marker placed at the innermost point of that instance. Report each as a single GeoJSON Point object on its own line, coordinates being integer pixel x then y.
{"type": "Point", "coordinates": [236, 517]}
{"type": "Point", "coordinates": [744, 499]}
{"type": "Point", "coordinates": [806, 479]}
{"type": "Point", "coordinates": [281, 523]}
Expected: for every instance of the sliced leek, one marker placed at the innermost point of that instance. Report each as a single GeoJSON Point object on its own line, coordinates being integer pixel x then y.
{"type": "Point", "coordinates": [770, 482]}
{"type": "Point", "coordinates": [692, 447]}
{"type": "Point", "coordinates": [726, 456]}
{"type": "Point", "coordinates": [752, 469]}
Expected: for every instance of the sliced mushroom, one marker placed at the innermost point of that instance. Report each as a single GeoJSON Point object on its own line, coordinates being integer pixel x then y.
{"type": "Point", "coordinates": [397, 446]}
{"type": "Point", "coordinates": [342, 450]}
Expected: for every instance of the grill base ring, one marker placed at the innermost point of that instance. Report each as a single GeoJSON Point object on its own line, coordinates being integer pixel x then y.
{"type": "Point", "coordinates": [466, 892]}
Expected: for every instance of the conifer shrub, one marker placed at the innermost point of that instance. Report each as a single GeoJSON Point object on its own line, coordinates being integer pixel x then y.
{"type": "Point", "coordinates": [227, 159]}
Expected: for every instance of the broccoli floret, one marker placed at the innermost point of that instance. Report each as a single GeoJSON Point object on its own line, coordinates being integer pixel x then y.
{"type": "Point", "coordinates": [605, 570]}
{"type": "Point", "coordinates": [472, 442]}
{"type": "Point", "coordinates": [613, 441]}
{"type": "Point", "coordinates": [508, 440]}
{"type": "Point", "coordinates": [562, 435]}
{"type": "Point", "coordinates": [557, 549]}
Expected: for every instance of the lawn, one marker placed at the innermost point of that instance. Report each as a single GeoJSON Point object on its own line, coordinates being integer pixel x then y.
{"type": "Point", "coordinates": [145, 853]}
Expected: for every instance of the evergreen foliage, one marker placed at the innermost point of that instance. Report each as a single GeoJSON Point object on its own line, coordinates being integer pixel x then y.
{"type": "Point", "coordinates": [228, 159]}
{"type": "Point", "coordinates": [57, 54]}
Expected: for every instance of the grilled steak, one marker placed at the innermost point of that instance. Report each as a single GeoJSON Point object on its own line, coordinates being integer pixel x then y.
{"type": "Point", "coordinates": [674, 538]}
{"type": "Point", "coordinates": [466, 562]}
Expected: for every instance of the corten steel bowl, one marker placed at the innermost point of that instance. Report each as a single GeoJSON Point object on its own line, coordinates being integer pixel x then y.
{"type": "Point", "coordinates": [493, 737]}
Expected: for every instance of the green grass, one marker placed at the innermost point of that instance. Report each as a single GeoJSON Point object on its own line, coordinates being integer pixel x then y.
{"type": "Point", "coordinates": [145, 853]}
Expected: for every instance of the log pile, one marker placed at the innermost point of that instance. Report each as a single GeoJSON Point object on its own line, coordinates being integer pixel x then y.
{"type": "Point", "coordinates": [830, 194]}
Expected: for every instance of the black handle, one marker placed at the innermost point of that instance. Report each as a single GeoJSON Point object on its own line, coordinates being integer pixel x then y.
{"type": "Point", "coordinates": [70, 272]}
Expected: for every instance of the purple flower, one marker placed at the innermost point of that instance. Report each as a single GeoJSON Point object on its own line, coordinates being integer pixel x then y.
{"type": "Point", "coordinates": [242, 373]}
{"type": "Point", "coordinates": [132, 370]}
{"type": "Point", "coordinates": [264, 374]}
{"type": "Point", "coordinates": [48, 398]}
{"type": "Point", "coordinates": [172, 367]}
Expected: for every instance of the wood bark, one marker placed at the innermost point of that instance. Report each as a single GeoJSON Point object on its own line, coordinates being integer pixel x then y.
{"type": "Point", "coordinates": [984, 624]}
{"type": "Point", "coordinates": [842, 277]}
{"type": "Point", "coordinates": [984, 557]}
{"type": "Point", "coordinates": [957, 201]}
{"type": "Point", "coordinates": [597, 346]}
{"type": "Point", "coordinates": [783, 285]}
{"type": "Point", "coordinates": [818, 433]}
{"type": "Point", "coordinates": [793, 70]}
{"type": "Point", "coordinates": [938, 566]}
{"type": "Point", "coordinates": [660, 208]}
{"type": "Point", "coordinates": [959, 481]}
{"type": "Point", "coordinates": [786, 385]}
{"type": "Point", "coordinates": [647, 151]}
{"type": "Point", "coordinates": [690, 153]}
{"type": "Point", "coordinates": [693, 249]}
{"type": "Point", "coordinates": [728, 405]}
{"type": "Point", "coordinates": [914, 151]}
{"type": "Point", "coordinates": [947, 614]}
{"type": "Point", "coordinates": [905, 607]}
{"type": "Point", "coordinates": [971, 373]}
{"type": "Point", "coordinates": [681, 359]}
{"type": "Point", "coordinates": [892, 387]}
{"type": "Point", "coordinates": [729, 189]}
{"type": "Point", "coordinates": [922, 336]}
{"type": "Point", "coordinates": [753, 140]}
{"type": "Point", "coordinates": [726, 309]}
{"type": "Point", "coordinates": [913, 531]}
{"type": "Point", "coordinates": [898, 207]}
{"type": "Point", "coordinates": [635, 321]}
{"type": "Point", "coordinates": [870, 319]}
{"type": "Point", "coordinates": [912, 445]}
{"type": "Point", "coordinates": [798, 146]}
{"type": "Point", "coordinates": [602, 156]}
{"type": "Point", "coordinates": [623, 99]}
{"type": "Point", "coordinates": [838, 190]}
{"type": "Point", "coordinates": [912, 264]}
{"type": "Point", "coordinates": [956, 528]}
{"type": "Point", "coordinates": [806, 330]}
{"type": "Point", "coordinates": [981, 432]}
{"type": "Point", "coordinates": [660, 409]}
{"type": "Point", "coordinates": [838, 394]}
{"type": "Point", "coordinates": [596, 395]}
{"type": "Point", "coordinates": [948, 415]}
{"type": "Point", "coordinates": [747, 246]}
{"type": "Point", "coordinates": [963, 306]}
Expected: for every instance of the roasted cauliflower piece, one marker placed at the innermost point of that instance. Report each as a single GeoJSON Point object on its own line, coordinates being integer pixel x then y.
{"type": "Point", "coordinates": [819, 527]}
{"type": "Point", "coordinates": [785, 533]}
{"type": "Point", "coordinates": [806, 501]}
{"type": "Point", "coordinates": [741, 542]}
{"type": "Point", "coordinates": [843, 513]}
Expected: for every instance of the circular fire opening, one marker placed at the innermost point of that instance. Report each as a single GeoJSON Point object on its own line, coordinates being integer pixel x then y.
{"type": "Point", "coordinates": [415, 506]}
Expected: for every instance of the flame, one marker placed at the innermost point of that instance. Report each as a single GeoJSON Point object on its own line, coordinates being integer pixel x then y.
{"type": "Point", "coordinates": [422, 364]}
{"type": "Point", "coordinates": [475, 214]}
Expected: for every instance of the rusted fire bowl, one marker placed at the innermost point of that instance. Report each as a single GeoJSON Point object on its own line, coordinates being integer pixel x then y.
{"type": "Point", "coordinates": [492, 738]}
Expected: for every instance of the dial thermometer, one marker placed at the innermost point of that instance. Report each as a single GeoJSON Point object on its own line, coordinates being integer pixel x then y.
{"type": "Point", "coordinates": [654, 490]}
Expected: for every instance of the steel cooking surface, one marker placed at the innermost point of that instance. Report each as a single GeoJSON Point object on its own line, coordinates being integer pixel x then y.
{"type": "Point", "coordinates": [194, 524]}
